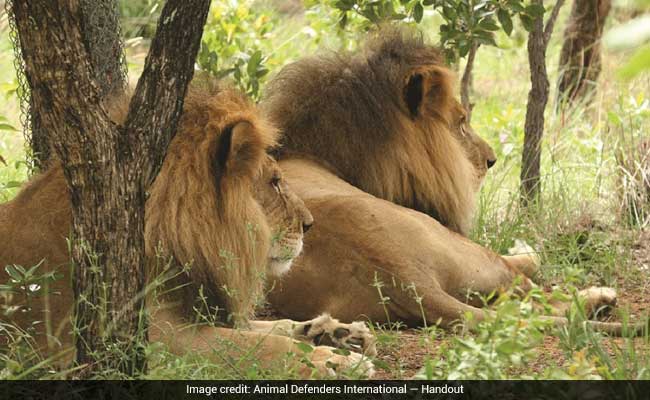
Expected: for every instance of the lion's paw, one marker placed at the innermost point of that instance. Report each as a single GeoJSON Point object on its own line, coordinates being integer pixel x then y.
{"type": "Point", "coordinates": [527, 259]}
{"type": "Point", "coordinates": [329, 361]}
{"type": "Point", "coordinates": [522, 248]}
{"type": "Point", "coordinates": [328, 331]}
{"type": "Point", "coordinates": [598, 299]}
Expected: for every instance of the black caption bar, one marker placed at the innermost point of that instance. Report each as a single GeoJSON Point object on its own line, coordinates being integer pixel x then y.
{"type": "Point", "coordinates": [172, 390]}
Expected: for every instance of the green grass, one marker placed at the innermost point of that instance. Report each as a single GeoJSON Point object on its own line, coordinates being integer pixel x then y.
{"type": "Point", "coordinates": [577, 226]}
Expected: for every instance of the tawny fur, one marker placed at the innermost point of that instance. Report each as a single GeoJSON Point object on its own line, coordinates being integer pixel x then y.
{"type": "Point", "coordinates": [355, 133]}
{"type": "Point", "coordinates": [216, 205]}
{"type": "Point", "coordinates": [361, 115]}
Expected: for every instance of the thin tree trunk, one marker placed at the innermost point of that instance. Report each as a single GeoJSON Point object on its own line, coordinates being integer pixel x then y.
{"type": "Point", "coordinates": [466, 81]}
{"type": "Point", "coordinates": [108, 167]}
{"type": "Point", "coordinates": [538, 39]}
{"type": "Point", "coordinates": [580, 58]}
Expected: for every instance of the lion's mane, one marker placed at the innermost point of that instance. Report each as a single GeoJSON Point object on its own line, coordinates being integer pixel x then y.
{"type": "Point", "coordinates": [200, 211]}
{"type": "Point", "coordinates": [380, 120]}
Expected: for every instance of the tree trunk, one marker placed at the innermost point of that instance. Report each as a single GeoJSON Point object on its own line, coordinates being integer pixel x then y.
{"type": "Point", "coordinates": [466, 81]}
{"type": "Point", "coordinates": [538, 39]}
{"type": "Point", "coordinates": [102, 39]}
{"type": "Point", "coordinates": [580, 58]}
{"type": "Point", "coordinates": [108, 167]}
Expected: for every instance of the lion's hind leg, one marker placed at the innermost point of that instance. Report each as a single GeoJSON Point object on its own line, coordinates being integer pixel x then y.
{"type": "Point", "coordinates": [322, 330]}
{"type": "Point", "coordinates": [596, 300]}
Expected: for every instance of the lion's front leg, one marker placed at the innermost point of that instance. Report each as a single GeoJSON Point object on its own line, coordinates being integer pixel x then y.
{"type": "Point", "coordinates": [265, 348]}
{"type": "Point", "coordinates": [322, 330]}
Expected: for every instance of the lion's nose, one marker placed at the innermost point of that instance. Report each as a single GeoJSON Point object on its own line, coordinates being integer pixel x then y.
{"type": "Point", "coordinates": [491, 162]}
{"type": "Point", "coordinates": [306, 226]}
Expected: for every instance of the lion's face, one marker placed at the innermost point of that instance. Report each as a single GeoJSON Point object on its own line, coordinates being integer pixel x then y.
{"type": "Point", "coordinates": [287, 217]}
{"type": "Point", "coordinates": [479, 152]}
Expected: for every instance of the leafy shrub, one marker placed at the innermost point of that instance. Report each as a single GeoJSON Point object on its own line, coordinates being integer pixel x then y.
{"type": "Point", "coordinates": [504, 342]}
{"type": "Point", "coordinates": [232, 43]}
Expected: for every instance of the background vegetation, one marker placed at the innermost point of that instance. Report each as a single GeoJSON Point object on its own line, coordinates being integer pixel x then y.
{"type": "Point", "coordinates": [590, 225]}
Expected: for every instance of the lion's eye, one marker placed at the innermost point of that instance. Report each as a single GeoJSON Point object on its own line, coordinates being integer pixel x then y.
{"type": "Point", "coordinates": [275, 181]}
{"type": "Point", "coordinates": [463, 128]}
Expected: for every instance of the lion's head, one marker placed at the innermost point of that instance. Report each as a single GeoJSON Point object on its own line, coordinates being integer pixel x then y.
{"type": "Point", "coordinates": [385, 121]}
{"type": "Point", "coordinates": [220, 205]}
{"type": "Point", "coordinates": [479, 152]}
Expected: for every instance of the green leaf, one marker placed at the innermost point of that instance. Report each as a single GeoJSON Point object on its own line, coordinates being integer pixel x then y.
{"type": "Point", "coordinates": [485, 37]}
{"type": "Point", "coordinates": [505, 21]}
{"type": "Point", "coordinates": [344, 5]}
{"type": "Point", "coordinates": [13, 272]}
{"type": "Point", "coordinates": [304, 347]}
{"type": "Point", "coordinates": [516, 6]}
{"type": "Point", "coordinates": [341, 352]}
{"type": "Point", "coordinates": [370, 14]}
{"type": "Point", "coordinates": [381, 364]}
{"type": "Point", "coordinates": [7, 127]}
{"type": "Point", "coordinates": [12, 184]}
{"type": "Point", "coordinates": [428, 368]}
{"type": "Point", "coordinates": [262, 72]}
{"type": "Point", "coordinates": [614, 118]}
{"type": "Point", "coordinates": [639, 62]}
{"type": "Point", "coordinates": [7, 288]}
{"type": "Point", "coordinates": [489, 24]}
{"type": "Point", "coordinates": [526, 21]}
{"type": "Point", "coordinates": [418, 12]}
{"type": "Point", "coordinates": [253, 63]}
{"type": "Point", "coordinates": [343, 21]}
{"type": "Point", "coordinates": [508, 347]}
{"type": "Point", "coordinates": [535, 10]}
{"type": "Point", "coordinates": [428, 2]}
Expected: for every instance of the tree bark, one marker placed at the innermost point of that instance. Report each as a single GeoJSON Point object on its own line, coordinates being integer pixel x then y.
{"type": "Point", "coordinates": [108, 167]}
{"type": "Point", "coordinates": [580, 58]}
{"type": "Point", "coordinates": [466, 81]}
{"type": "Point", "coordinates": [538, 39]}
{"type": "Point", "coordinates": [102, 39]}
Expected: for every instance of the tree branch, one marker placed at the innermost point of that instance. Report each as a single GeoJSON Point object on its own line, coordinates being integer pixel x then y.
{"type": "Point", "coordinates": [158, 99]}
{"type": "Point", "coordinates": [550, 23]}
{"type": "Point", "coordinates": [466, 79]}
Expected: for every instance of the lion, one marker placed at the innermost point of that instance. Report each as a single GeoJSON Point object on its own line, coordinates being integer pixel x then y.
{"type": "Point", "coordinates": [221, 210]}
{"type": "Point", "coordinates": [382, 154]}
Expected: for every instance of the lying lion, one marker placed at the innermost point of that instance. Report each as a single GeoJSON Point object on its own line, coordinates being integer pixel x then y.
{"type": "Point", "coordinates": [220, 205]}
{"type": "Point", "coordinates": [381, 153]}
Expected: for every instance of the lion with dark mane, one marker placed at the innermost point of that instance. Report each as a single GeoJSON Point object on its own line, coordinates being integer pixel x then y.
{"type": "Point", "coordinates": [381, 152]}
{"type": "Point", "coordinates": [220, 206]}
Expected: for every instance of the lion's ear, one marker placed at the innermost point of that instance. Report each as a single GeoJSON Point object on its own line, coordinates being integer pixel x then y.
{"type": "Point", "coordinates": [428, 91]}
{"type": "Point", "coordinates": [239, 151]}
{"type": "Point", "coordinates": [414, 93]}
